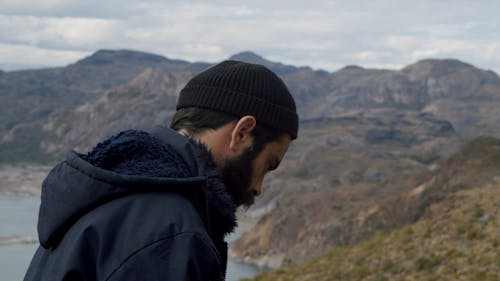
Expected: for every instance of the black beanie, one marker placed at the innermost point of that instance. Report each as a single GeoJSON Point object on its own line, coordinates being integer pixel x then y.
{"type": "Point", "coordinates": [240, 89]}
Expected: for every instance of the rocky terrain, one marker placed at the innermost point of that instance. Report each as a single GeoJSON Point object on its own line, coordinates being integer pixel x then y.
{"type": "Point", "coordinates": [22, 179]}
{"type": "Point", "coordinates": [12, 240]}
{"type": "Point", "coordinates": [455, 238]}
{"type": "Point", "coordinates": [371, 141]}
{"type": "Point", "coordinates": [319, 216]}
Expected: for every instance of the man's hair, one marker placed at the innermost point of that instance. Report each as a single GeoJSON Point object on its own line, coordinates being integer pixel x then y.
{"type": "Point", "coordinates": [197, 120]}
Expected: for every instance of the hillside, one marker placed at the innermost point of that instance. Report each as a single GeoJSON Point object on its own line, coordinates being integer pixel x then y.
{"type": "Point", "coordinates": [30, 99]}
{"type": "Point", "coordinates": [449, 89]}
{"type": "Point", "coordinates": [36, 93]}
{"type": "Point", "coordinates": [457, 239]}
{"type": "Point", "coordinates": [350, 194]}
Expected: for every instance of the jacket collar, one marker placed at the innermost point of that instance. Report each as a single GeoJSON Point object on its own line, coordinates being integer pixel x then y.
{"type": "Point", "coordinates": [221, 209]}
{"type": "Point", "coordinates": [119, 165]}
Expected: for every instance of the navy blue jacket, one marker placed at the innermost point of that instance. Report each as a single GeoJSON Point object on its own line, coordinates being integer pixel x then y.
{"type": "Point", "coordinates": [139, 206]}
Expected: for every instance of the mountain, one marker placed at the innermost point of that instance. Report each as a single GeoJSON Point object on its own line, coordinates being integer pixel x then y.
{"type": "Point", "coordinates": [32, 100]}
{"type": "Point", "coordinates": [146, 100]}
{"type": "Point", "coordinates": [36, 93]}
{"type": "Point", "coordinates": [429, 86]}
{"type": "Point", "coordinates": [368, 138]}
{"type": "Point", "coordinates": [278, 68]}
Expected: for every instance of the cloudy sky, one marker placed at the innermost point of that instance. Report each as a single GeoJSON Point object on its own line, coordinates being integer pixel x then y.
{"type": "Point", "coordinates": [321, 34]}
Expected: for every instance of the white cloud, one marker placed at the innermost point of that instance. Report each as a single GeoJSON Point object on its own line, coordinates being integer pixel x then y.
{"type": "Point", "coordinates": [482, 53]}
{"type": "Point", "coordinates": [69, 33]}
{"type": "Point", "coordinates": [401, 42]}
{"type": "Point", "coordinates": [323, 34]}
{"type": "Point", "coordinates": [16, 56]}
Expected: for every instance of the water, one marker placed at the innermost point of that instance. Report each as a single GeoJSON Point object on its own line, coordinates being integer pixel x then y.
{"type": "Point", "coordinates": [237, 270]}
{"type": "Point", "coordinates": [18, 216]}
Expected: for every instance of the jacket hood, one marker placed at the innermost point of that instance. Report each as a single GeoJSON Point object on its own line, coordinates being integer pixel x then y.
{"type": "Point", "coordinates": [133, 162]}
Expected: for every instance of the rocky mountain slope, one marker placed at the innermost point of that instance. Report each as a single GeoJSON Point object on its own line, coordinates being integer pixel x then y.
{"type": "Point", "coordinates": [32, 98]}
{"type": "Point", "coordinates": [460, 242]}
{"type": "Point", "coordinates": [457, 237]}
{"type": "Point", "coordinates": [368, 137]}
{"type": "Point", "coordinates": [352, 194]}
{"type": "Point", "coordinates": [146, 100]}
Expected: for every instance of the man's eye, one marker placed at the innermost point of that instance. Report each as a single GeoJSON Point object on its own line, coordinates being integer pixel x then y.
{"type": "Point", "coordinates": [272, 168]}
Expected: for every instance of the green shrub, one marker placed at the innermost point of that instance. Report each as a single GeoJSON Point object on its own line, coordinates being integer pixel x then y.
{"type": "Point", "coordinates": [426, 263]}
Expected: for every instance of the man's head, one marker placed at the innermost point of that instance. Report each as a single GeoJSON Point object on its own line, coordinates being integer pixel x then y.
{"type": "Point", "coordinates": [247, 118]}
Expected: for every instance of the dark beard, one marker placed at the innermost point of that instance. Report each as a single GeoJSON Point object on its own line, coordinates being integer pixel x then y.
{"type": "Point", "coordinates": [237, 176]}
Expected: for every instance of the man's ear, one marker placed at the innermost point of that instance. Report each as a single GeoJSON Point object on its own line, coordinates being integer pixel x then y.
{"type": "Point", "coordinates": [241, 136]}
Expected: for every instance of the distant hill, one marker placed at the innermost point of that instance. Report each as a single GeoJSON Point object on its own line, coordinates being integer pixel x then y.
{"type": "Point", "coordinates": [277, 67]}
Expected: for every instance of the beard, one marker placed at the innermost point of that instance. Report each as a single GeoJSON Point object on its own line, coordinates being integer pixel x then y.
{"type": "Point", "coordinates": [237, 176]}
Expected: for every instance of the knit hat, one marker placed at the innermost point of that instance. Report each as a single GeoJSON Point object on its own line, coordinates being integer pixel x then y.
{"type": "Point", "coordinates": [240, 89]}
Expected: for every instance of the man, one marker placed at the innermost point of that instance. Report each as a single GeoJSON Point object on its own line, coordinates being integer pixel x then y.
{"type": "Point", "coordinates": [156, 206]}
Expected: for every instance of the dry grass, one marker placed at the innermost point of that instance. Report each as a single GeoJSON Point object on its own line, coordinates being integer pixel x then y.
{"type": "Point", "coordinates": [458, 240]}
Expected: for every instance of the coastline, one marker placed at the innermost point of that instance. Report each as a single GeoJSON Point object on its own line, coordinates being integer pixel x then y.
{"type": "Point", "coordinates": [22, 179]}
{"type": "Point", "coordinates": [18, 239]}
{"type": "Point", "coordinates": [246, 221]}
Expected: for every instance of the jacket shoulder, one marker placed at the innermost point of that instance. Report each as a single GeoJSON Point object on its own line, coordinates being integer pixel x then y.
{"type": "Point", "coordinates": [132, 230]}
{"type": "Point", "coordinates": [183, 256]}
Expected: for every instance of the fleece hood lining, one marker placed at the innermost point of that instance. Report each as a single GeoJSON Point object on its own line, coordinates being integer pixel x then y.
{"type": "Point", "coordinates": [75, 161]}
{"type": "Point", "coordinates": [86, 186]}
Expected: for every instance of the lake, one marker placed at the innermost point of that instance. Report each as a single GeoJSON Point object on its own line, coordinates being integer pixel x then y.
{"type": "Point", "coordinates": [18, 216]}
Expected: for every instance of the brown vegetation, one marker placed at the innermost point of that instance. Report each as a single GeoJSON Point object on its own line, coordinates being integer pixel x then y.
{"type": "Point", "coordinates": [457, 240]}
